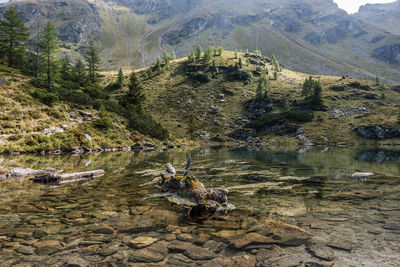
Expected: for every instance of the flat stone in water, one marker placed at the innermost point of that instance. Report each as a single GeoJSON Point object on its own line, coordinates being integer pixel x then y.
{"type": "Point", "coordinates": [199, 253]}
{"type": "Point", "coordinates": [139, 226]}
{"type": "Point", "coordinates": [178, 246]}
{"type": "Point", "coordinates": [252, 239]}
{"type": "Point", "coordinates": [76, 261]}
{"type": "Point", "coordinates": [391, 226]}
{"type": "Point", "coordinates": [320, 251]}
{"type": "Point", "coordinates": [185, 237]}
{"type": "Point", "coordinates": [229, 234]}
{"type": "Point", "coordinates": [340, 246]}
{"type": "Point", "coordinates": [179, 260]}
{"type": "Point", "coordinates": [103, 229]}
{"type": "Point", "coordinates": [155, 253]}
{"type": "Point", "coordinates": [26, 250]}
{"type": "Point", "coordinates": [283, 261]}
{"type": "Point", "coordinates": [142, 241]}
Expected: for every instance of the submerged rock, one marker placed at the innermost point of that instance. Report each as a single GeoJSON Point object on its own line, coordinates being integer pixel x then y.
{"type": "Point", "coordinates": [320, 251]}
{"type": "Point", "coordinates": [155, 253]}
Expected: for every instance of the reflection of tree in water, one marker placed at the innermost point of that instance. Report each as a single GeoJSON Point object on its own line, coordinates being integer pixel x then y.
{"type": "Point", "coordinates": [378, 155]}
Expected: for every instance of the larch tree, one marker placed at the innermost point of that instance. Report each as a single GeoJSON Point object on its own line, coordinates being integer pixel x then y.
{"type": "Point", "coordinates": [13, 36]}
{"type": "Point", "coordinates": [48, 48]}
{"type": "Point", "coordinates": [93, 60]}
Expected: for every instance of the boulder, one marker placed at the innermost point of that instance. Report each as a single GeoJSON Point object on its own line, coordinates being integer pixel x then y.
{"type": "Point", "coordinates": [155, 253]}
{"type": "Point", "coordinates": [378, 132]}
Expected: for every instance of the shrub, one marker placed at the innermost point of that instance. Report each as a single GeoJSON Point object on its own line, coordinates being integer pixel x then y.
{"type": "Point", "coordinates": [76, 97]}
{"type": "Point", "coordinates": [355, 84]}
{"type": "Point", "coordinates": [46, 98]}
{"type": "Point", "coordinates": [200, 76]}
{"type": "Point", "coordinates": [103, 123]}
{"type": "Point", "coordinates": [240, 75]}
{"type": "Point", "coordinates": [95, 92]}
{"type": "Point", "coordinates": [145, 124]}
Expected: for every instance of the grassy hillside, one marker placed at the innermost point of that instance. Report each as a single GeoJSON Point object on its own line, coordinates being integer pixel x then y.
{"type": "Point", "coordinates": [26, 124]}
{"type": "Point", "coordinates": [172, 98]}
{"type": "Point", "coordinates": [212, 110]}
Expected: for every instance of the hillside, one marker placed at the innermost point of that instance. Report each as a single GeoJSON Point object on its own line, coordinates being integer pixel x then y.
{"type": "Point", "coordinates": [308, 35]}
{"type": "Point", "coordinates": [26, 124]}
{"type": "Point", "coordinates": [219, 108]}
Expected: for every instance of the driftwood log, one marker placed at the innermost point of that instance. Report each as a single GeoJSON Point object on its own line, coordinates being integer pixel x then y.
{"type": "Point", "coordinates": [56, 178]}
{"type": "Point", "coordinates": [208, 201]}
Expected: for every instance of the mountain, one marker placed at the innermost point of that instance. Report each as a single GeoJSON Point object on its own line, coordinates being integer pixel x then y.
{"type": "Point", "coordinates": [383, 16]}
{"type": "Point", "coordinates": [313, 36]}
{"type": "Point", "coordinates": [387, 18]}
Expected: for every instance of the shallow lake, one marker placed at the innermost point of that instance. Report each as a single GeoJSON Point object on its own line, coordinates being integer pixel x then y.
{"type": "Point", "coordinates": [347, 200]}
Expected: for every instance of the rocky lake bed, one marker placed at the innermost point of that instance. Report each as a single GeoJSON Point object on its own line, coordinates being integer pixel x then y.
{"type": "Point", "coordinates": [332, 208]}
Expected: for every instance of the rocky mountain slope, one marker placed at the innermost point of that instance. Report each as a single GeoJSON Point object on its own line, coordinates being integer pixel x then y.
{"type": "Point", "coordinates": [308, 35]}
{"type": "Point", "coordinates": [383, 16]}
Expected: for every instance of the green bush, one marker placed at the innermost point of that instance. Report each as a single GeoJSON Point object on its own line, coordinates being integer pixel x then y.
{"type": "Point", "coordinates": [113, 86]}
{"type": "Point", "coordinates": [95, 92]}
{"type": "Point", "coordinates": [200, 76]}
{"type": "Point", "coordinates": [103, 123]}
{"type": "Point", "coordinates": [240, 75]}
{"type": "Point", "coordinates": [355, 84]}
{"type": "Point", "coordinates": [44, 97]}
{"type": "Point", "coordinates": [146, 125]}
{"type": "Point", "coordinates": [76, 97]}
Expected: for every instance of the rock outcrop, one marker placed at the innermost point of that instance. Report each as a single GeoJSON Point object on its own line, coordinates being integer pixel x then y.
{"type": "Point", "coordinates": [378, 132]}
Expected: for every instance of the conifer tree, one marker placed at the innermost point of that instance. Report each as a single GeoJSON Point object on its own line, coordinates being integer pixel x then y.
{"type": "Point", "coordinates": [37, 50]}
{"type": "Point", "coordinates": [13, 36]}
{"type": "Point", "coordinates": [173, 55]}
{"type": "Point", "coordinates": [134, 99]}
{"type": "Point", "coordinates": [208, 55]}
{"type": "Point", "coordinates": [166, 58]}
{"type": "Point", "coordinates": [65, 70]}
{"type": "Point", "coordinates": [158, 65]}
{"type": "Point", "coordinates": [191, 57]}
{"type": "Point", "coordinates": [262, 87]}
{"type": "Point", "coordinates": [240, 64]}
{"type": "Point", "coordinates": [192, 127]}
{"type": "Point", "coordinates": [219, 51]}
{"type": "Point", "coordinates": [377, 80]}
{"type": "Point", "coordinates": [121, 78]}
{"type": "Point", "coordinates": [236, 54]}
{"type": "Point", "coordinates": [199, 51]}
{"type": "Point", "coordinates": [79, 73]}
{"type": "Point", "coordinates": [93, 59]}
{"type": "Point", "coordinates": [48, 46]}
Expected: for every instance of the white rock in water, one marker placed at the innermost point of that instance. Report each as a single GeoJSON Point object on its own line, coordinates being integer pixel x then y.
{"type": "Point", "coordinates": [361, 174]}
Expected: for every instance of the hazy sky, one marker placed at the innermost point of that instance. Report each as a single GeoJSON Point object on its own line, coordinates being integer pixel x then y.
{"type": "Point", "coordinates": [351, 6]}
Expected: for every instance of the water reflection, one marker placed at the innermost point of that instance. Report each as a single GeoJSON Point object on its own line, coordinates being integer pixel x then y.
{"type": "Point", "coordinates": [378, 155]}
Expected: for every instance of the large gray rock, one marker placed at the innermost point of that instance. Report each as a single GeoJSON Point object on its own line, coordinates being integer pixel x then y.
{"type": "Point", "coordinates": [378, 132]}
